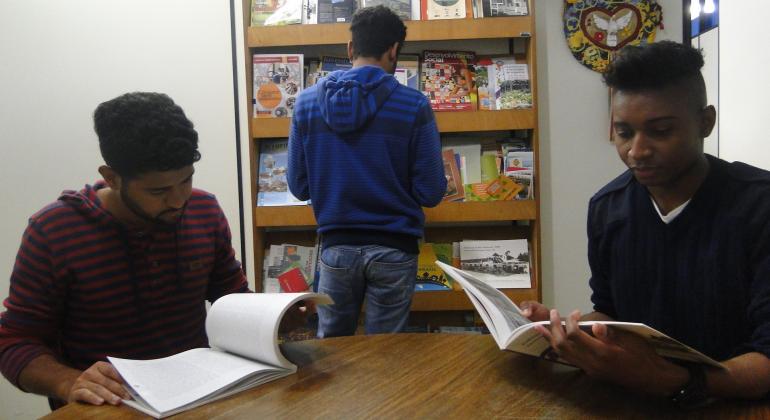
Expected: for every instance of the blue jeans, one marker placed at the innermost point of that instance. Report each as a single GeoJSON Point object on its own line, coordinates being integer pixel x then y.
{"type": "Point", "coordinates": [385, 276]}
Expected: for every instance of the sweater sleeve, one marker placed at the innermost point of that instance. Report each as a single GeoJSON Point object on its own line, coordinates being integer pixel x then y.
{"type": "Point", "coordinates": [227, 276]}
{"type": "Point", "coordinates": [29, 326]}
{"type": "Point", "coordinates": [427, 168]}
{"type": "Point", "coordinates": [759, 306]}
{"type": "Point", "coordinates": [601, 291]}
{"type": "Point", "coordinates": [296, 173]}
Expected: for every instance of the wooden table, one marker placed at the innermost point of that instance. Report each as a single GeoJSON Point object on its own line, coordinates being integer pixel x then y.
{"type": "Point", "coordinates": [427, 376]}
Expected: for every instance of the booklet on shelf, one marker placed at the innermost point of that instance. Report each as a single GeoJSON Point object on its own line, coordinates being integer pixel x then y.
{"type": "Point", "coordinates": [512, 331]}
{"type": "Point", "coordinates": [242, 329]}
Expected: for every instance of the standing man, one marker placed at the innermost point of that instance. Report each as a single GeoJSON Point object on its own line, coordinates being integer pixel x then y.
{"type": "Point", "coordinates": [365, 149]}
{"type": "Point", "coordinates": [680, 241]}
{"type": "Point", "coordinates": [121, 268]}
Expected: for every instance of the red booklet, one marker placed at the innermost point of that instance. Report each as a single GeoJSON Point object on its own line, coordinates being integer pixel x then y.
{"type": "Point", "coordinates": [292, 281]}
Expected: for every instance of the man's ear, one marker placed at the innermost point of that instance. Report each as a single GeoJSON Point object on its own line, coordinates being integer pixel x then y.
{"type": "Point", "coordinates": [350, 50]}
{"type": "Point", "coordinates": [708, 120]}
{"type": "Point", "coordinates": [393, 52]}
{"type": "Point", "coordinates": [111, 177]}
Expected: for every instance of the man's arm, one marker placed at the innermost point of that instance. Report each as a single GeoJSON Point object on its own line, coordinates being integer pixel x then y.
{"type": "Point", "coordinates": [296, 171]}
{"type": "Point", "coordinates": [227, 276]}
{"type": "Point", "coordinates": [98, 384]}
{"type": "Point", "coordinates": [427, 166]}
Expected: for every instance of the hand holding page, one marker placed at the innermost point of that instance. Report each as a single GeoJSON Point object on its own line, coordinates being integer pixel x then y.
{"type": "Point", "coordinates": [243, 330]}
{"type": "Point", "coordinates": [514, 332]}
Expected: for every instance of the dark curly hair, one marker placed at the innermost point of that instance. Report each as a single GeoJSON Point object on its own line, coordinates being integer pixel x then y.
{"type": "Point", "coordinates": [143, 132]}
{"type": "Point", "coordinates": [375, 29]}
{"type": "Point", "coordinates": [657, 66]}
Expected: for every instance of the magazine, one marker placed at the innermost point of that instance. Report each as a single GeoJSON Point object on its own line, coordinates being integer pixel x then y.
{"type": "Point", "coordinates": [335, 11]}
{"type": "Point", "coordinates": [442, 9]}
{"type": "Point", "coordinates": [512, 331]}
{"type": "Point", "coordinates": [408, 70]}
{"type": "Point", "coordinates": [243, 334]}
{"type": "Point", "coordinates": [277, 83]}
{"type": "Point", "coordinates": [403, 8]}
{"type": "Point", "coordinates": [500, 264]}
{"type": "Point", "coordinates": [447, 80]}
{"type": "Point", "coordinates": [273, 188]}
{"type": "Point", "coordinates": [454, 183]}
{"type": "Point", "coordinates": [491, 8]}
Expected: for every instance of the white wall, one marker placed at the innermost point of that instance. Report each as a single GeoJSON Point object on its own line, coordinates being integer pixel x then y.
{"type": "Point", "coordinates": [61, 59]}
{"type": "Point", "coordinates": [744, 82]}
{"type": "Point", "coordinates": [576, 157]}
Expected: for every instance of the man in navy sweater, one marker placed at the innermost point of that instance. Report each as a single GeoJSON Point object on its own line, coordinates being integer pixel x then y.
{"type": "Point", "coordinates": [365, 149]}
{"type": "Point", "coordinates": [680, 241]}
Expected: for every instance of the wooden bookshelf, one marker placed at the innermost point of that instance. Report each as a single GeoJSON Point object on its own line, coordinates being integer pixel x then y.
{"type": "Point", "coordinates": [449, 221]}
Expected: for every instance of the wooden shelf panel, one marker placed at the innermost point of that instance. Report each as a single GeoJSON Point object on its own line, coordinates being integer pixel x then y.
{"type": "Point", "coordinates": [299, 216]}
{"type": "Point", "coordinates": [470, 211]}
{"type": "Point", "coordinates": [284, 216]}
{"type": "Point", "coordinates": [296, 36]}
{"type": "Point", "coordinates": [448, 122]}
{"type": "Point", "coordinates": [506, 119]}
{"type": "Point", "coordinates": [453, 300]}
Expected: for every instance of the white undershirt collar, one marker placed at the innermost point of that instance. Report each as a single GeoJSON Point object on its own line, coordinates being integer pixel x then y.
{"type": "Point", "coordinates": [672, 214]}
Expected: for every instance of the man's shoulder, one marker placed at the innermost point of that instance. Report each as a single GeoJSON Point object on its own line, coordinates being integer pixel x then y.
{"type": "Point", "coordinates": [616, 186]}
{"type": "Point", "coordinates": [52, 212]}
{"type": "Point", "coordinates": [745, 173]}
{"type": "Point", "coordinates": [203, 198]}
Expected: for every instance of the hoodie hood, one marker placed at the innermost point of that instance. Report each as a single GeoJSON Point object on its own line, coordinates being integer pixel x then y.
{"type": "Point", "coordinates": [350, 98]}
{"type": "Point", "coordinates": [86, 203]}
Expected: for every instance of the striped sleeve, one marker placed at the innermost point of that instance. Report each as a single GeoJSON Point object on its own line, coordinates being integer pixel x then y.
{"type": "Point", "coordinates": [427, 169]}
{"type": "Point", "coordinates": [227, 276]}
{"type": "Point", "coordinates": [31, 307]}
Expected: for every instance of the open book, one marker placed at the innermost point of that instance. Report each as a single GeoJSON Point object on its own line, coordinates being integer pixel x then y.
{"type": "Point", "coordinates": [514, 332]}
{"type": "Point", "coordinates": [243, 334]}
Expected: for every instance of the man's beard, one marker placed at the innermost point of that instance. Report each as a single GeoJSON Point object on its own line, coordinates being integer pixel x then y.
{"type": "Point", "coordinates": [138, 211]}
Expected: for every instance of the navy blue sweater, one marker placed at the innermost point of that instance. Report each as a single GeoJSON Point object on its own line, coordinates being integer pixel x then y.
{"type": "Point", "coordinates": [704, 278]}
{"type": "Point", "coordinates": [365, 149]}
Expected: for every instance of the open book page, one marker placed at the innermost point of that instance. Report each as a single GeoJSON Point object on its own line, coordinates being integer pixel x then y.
{"type": "Point", "coordinates": [246, 324]}
{"type": "Point", "coordinates": [188, 377]}
{"type": "Point", "coordinates": [500, 314]}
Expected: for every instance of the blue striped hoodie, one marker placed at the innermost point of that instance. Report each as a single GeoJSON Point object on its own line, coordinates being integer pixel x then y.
{"type": "Point", "coordinates": [366, 150]}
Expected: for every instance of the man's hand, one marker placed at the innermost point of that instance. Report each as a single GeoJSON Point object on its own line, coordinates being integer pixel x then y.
{"type": "Point", "coordinates": [535, 311]}
{"type": "Point", "coordinates": [613, 355]}
{"type": "Point", "coordinates": [98, 384]}
{"type": "Point", "coordinates": [296, 316]}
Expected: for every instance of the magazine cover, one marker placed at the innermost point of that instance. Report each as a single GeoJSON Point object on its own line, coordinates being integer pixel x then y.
{"type": "Point", "coordinates": [511, 84]}
{"type": "Point", "coordinates": [277, 82]}
{"type": "Point", "coordinates": [408, 70]}
{"type": "Point", "coordinates": [493, 8]}
{"type": "Point", "coordinates": [500, 264]}
{"type": "Point", "coordinates": [275, 12]}
{"type": "Point", "coordinates": [335, 11]}
{"type": "Point", "coordinates": [447, 80]}
{"type": "Point", "coordinates": [273, 189]}
{"type": "Point", "coordinates": [403, 8]}
{"type": "Point", "coordinates": [429, 275]}
{"type": "Point", "coordinates": [442, 9]}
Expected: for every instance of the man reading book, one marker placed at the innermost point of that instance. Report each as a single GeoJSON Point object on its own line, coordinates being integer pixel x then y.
{"type": "Point", "coordinates": [680, 242]}
{"type": "Point", "coordinates": [120, 268]}
{"type": "Point", "coordinates": [366, 150]}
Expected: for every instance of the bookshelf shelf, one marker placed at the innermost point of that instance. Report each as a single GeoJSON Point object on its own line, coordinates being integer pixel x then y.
{"type": "Point", "coordinates": [448, 122]}
{"type": "Point", "coordinates": [457, 300]}
{"type": "Point", "coordinates": [339, 33]}
{"type": "Point", "coordinates": [302, 216]}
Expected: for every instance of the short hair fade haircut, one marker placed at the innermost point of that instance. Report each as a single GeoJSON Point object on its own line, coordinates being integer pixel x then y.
{"type": "Point", "coordinates": [144, 132]}
{"type": "Point", "coordinates": [657, 66]}
{"type": "Point", "coordinates": [375, 29]}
